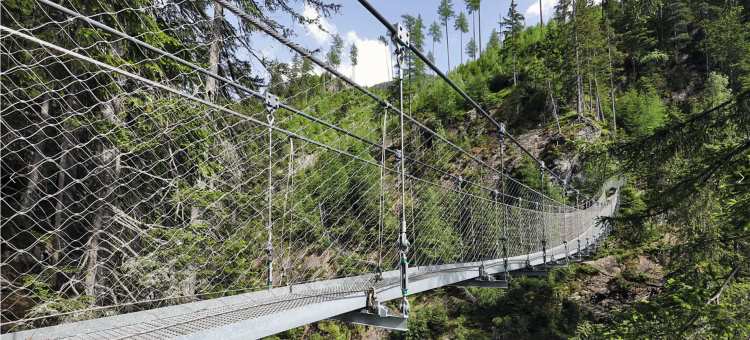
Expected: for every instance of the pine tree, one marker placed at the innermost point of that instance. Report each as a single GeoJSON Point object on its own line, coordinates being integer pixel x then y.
{"type": "Point", "coordinates": [435, 34]}
{"type": "Point", "coordinates": [472, 6]}
{"type": "Point", "coordinates": [354, 58]}
{"type": "Point", "coordinates": [415, 26]}
{"type": "Point", "coordinates": [333, 57]}
{"type": "Point", "coordinates": [462, 26]}
{"type": "Point", "coordinates": [513, 24]}
{"type": "Point", "coordinates": [445, 11]}
{"type": "Point", "coordinates": [494, 42]}
{"type": "Point", "coordinates": [471, 49]}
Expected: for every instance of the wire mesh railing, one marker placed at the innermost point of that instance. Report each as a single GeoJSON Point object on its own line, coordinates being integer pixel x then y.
{"type": "Point", "coordinates": [140, 170]}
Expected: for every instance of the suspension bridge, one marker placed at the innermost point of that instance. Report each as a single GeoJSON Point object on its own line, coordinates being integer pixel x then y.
{"type": "Point", "coordinates": [150, 191]}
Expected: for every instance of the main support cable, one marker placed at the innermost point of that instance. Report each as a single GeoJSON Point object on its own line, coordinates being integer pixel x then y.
{"type": "Point", "coordinates": [450, 82]}
{"type": "Point", "coordinates": [403, 243]}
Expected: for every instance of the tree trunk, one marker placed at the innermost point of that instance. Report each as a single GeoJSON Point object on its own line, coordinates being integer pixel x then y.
{"type": "Point", "coordinates": [554, 106]}
{"type": "Point", "coordinates": [447, 46]}
{"type": "Point", "coordinates": [591, 94]}
{"type": "Point", "coordinates": [27, 202]}
{"type": "Point", "coordinates": [541, 17]}
{"type": "Point", "coordinates": [474, 30]}
{"type": "Point", "coordinates": [479, 19]}
{"type": "Point", "coordinates": [612, 87]}
{"type": "Point", "coordinates": [214, 50]}
{"type": "Point", "coordinates": [599, 112]}
{"type": "Point", "coordinates": [59, 238]}
{"type": "Point", "coordinates": [579, 81]}
{"type": "Point", "coordinates": [109, 157]}
{"type": "Point", "coordinates": [33, 176]}
{"type": "Point", "coordinates": [461, 42]}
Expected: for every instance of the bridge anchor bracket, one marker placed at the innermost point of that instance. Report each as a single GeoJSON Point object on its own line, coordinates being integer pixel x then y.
{"type": "Point", "coordinates": [374, 314]}
{"type": "Point", "coordinates": [381, 320]}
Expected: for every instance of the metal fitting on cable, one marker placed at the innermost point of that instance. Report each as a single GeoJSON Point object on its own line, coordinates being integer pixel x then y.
{"type": "Point", "coordinates": [271, 102]}
{"type": "Point", "coordinates": [403, 243]}
{"type": "Point", "coordinates": [401, 40]}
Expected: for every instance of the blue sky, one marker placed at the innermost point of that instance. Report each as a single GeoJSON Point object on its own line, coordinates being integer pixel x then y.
{"type": "Point", "coordinates": [358, 27]}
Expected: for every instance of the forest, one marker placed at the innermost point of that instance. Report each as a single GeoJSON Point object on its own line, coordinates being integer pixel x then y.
{"type": "Point", "coordinates": [118, 189]}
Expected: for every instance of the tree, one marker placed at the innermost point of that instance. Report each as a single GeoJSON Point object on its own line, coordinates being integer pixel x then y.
{"type": "Point", "coordinates": [334, 53]}
{"type": "Point", "coordinates": [333, 57]}
{"type": "Point", "coordinates": [704, 204]}
{"type": "Point", "coordinates": [479, 21]}
{"type": "Point", "coordinates": [472, 6]}
{"type": "Point", "coordinates": [445, 11]}
{"type": "Point", "coordinates": [462, 26]}
{"type": "Point", "coordinates": [471, 49]}
{"type": "Point", "coordinates": [435, 34]}
{"type": "Point", "coordinates": [494, 42]}
{"type": "Point", "coordinates": [641, 111]}
{"type": "Point", "coordinates": [354, 58]}
{"type": "Point", "coordinates": [513, 24]}
{"type": "Point", "coordinates": [415, 26]}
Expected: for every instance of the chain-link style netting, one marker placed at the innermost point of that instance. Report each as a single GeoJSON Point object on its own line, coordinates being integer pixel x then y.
{"type": "Point", "coordinates": [143, 167]}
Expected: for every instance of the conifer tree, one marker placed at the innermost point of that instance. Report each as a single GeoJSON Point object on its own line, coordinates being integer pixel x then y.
{"type": "Point", "coordinates": [471, 49]}
{"type": "Point", "coordinates": [354, 58]}
{"type": "Point", "coordinates": [462, 26]}
{"type": "Point", "coordinates": [435, 34]}
{"type": "Point", "coordinates": [513, 24]}
{"type": "Point", "coordinates": [472, 6]}
{"type": "Point", "coordinates": [445, 11]}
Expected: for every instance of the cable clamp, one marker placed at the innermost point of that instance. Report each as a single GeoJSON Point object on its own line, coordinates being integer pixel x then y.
{"type": "Point", "coordinates": [403, 243]}
{"type": "Point", "coordinates": [401, 40]}
{"type": "Point", "coordinates": [272, 104]}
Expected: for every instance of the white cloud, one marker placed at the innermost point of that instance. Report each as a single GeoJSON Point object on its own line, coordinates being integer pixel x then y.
{"type": "Point", "coordinates": [373, 66]}
{"type": "Point", "coordinates": [321, 31]}
{"type": "Point", "coordinates": [548, 6]}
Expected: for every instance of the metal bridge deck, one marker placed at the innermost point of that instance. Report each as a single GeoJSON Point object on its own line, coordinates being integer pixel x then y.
{"type": "Point", "coordinates": [263, 313]}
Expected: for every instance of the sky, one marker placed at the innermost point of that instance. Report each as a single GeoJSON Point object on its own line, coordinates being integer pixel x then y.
{"type": "Point", "coordinates": [357, 26]}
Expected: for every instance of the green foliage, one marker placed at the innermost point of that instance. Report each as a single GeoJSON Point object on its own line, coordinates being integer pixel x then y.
{"type": "Point", "coordinates": [640, 112]}
{"type": "Point", "coordinates": [445, 11]}
{"type": "Point", "coordinates": [334, 53]}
